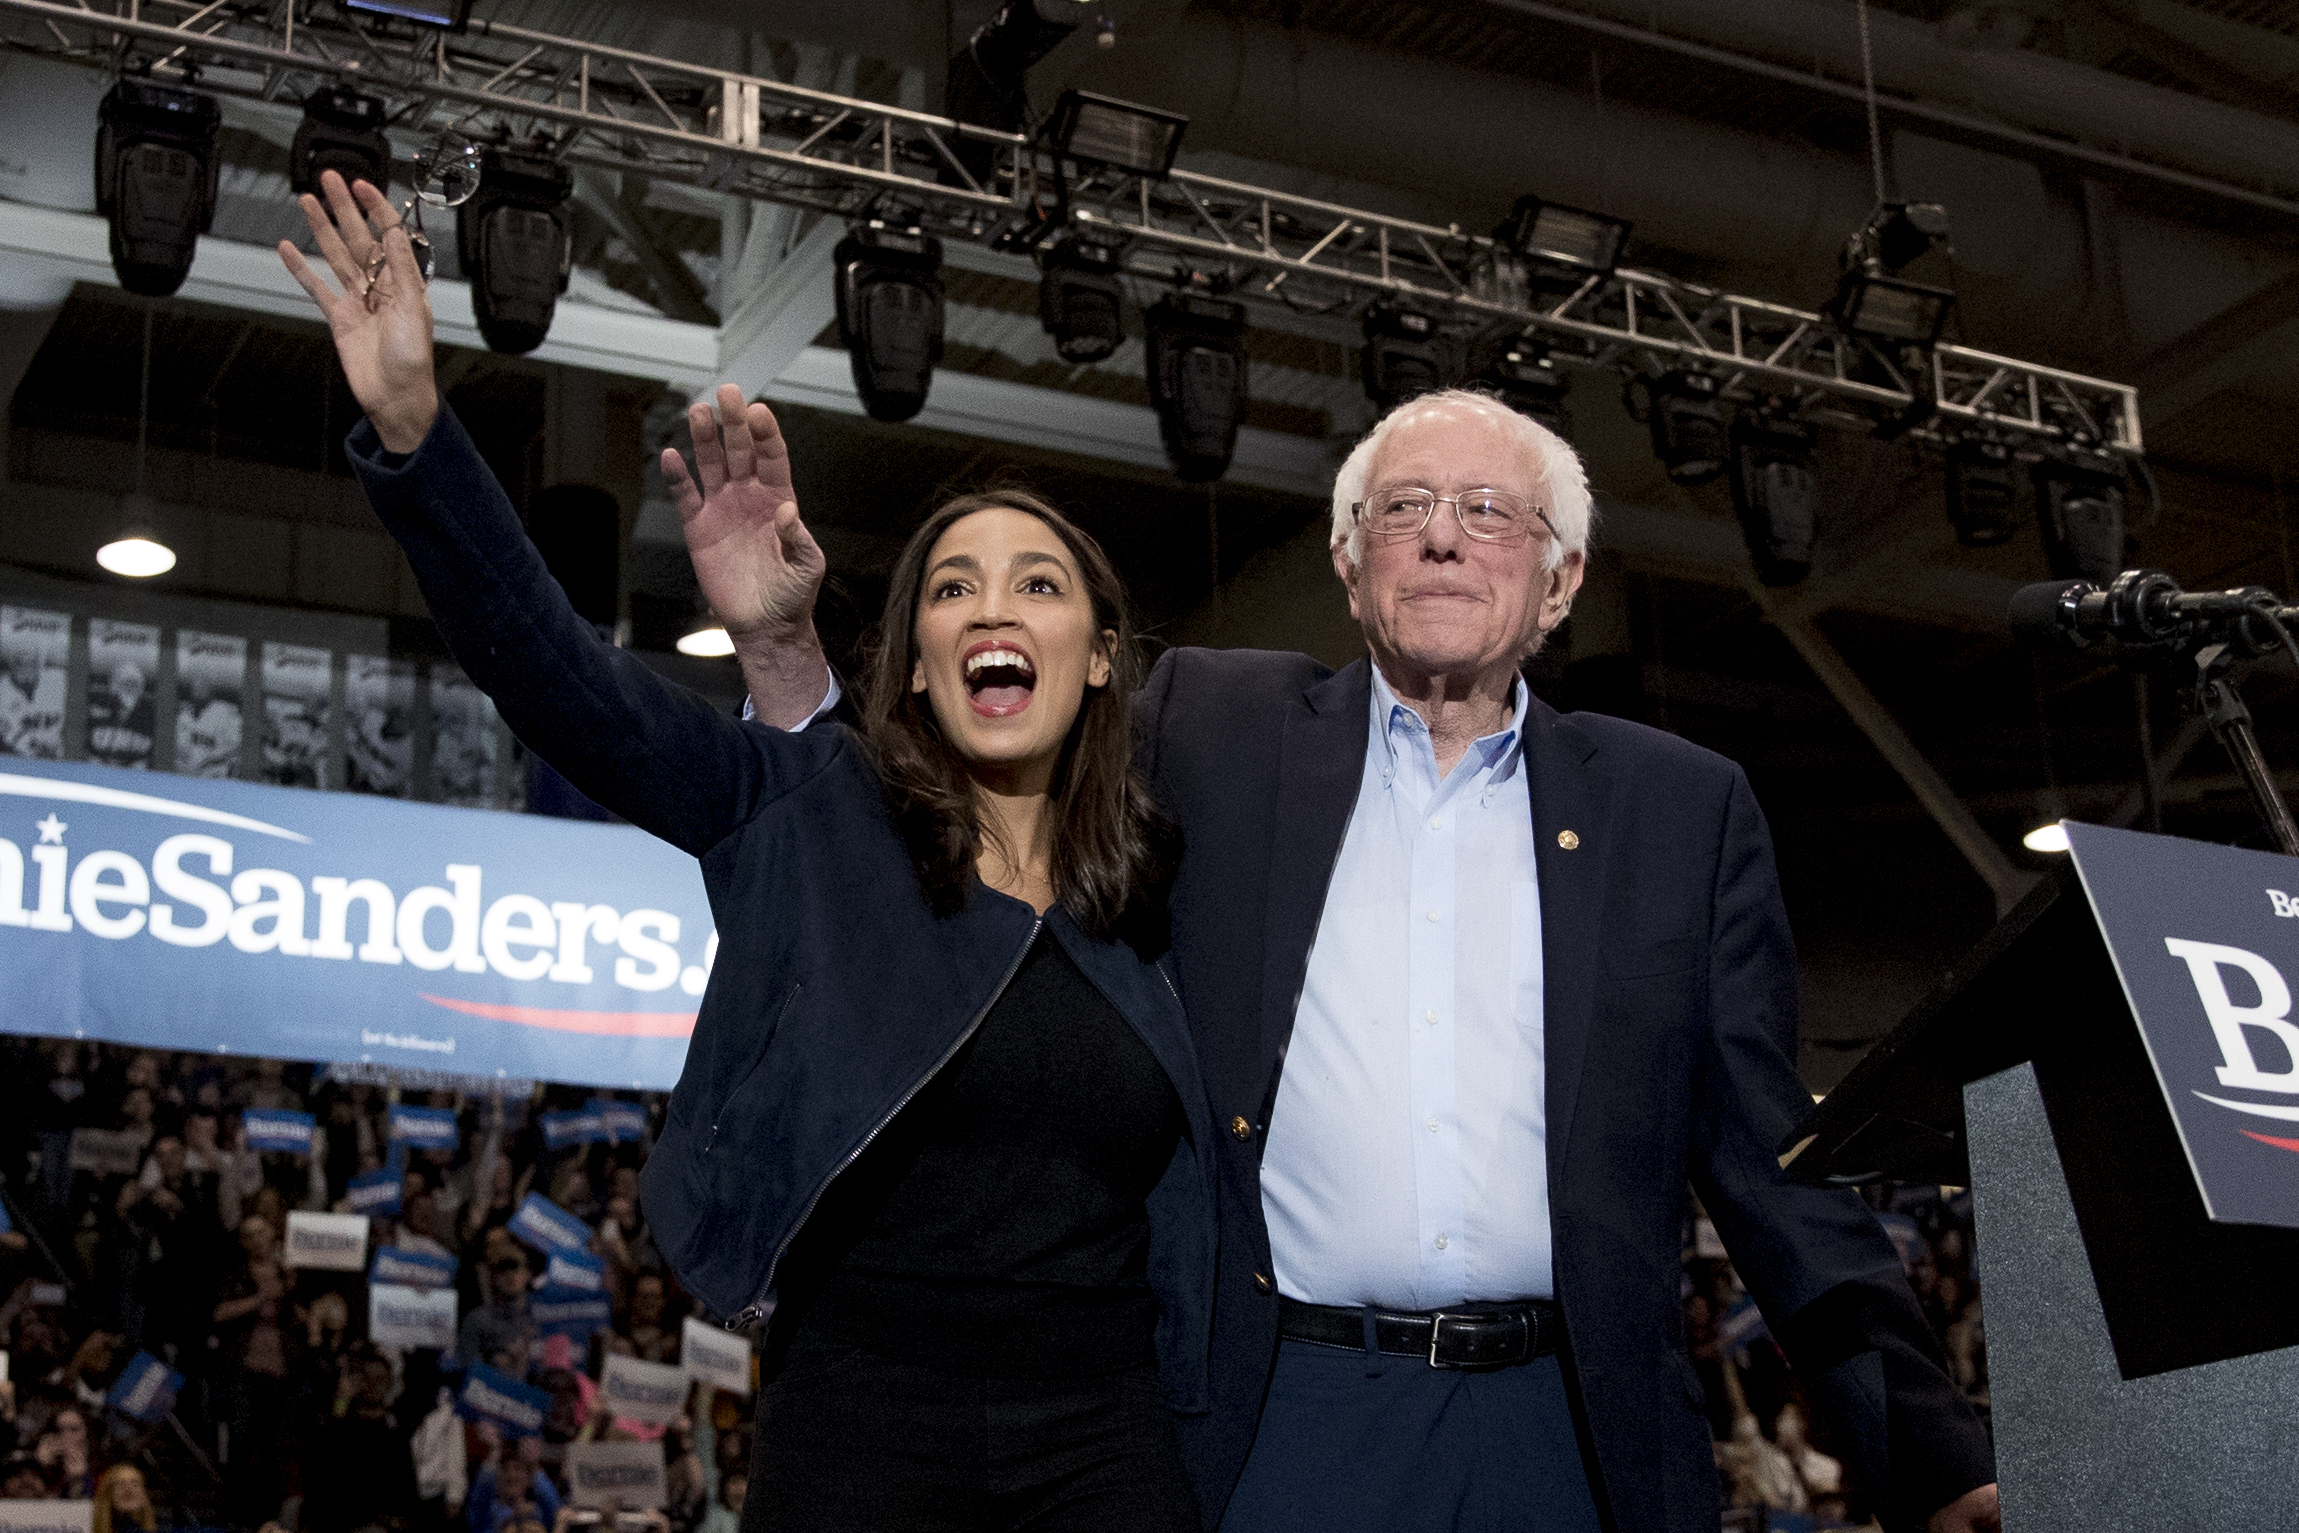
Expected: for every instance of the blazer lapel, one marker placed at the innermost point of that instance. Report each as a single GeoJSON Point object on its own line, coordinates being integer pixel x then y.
{"type": "Point", "coordinates": [1321, 762]}
{"type": "Point", "coordinates": [1568, 795]}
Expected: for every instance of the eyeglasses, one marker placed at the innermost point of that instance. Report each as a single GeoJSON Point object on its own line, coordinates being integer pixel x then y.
{"type": "Point", "coordinates": [1488, 515]}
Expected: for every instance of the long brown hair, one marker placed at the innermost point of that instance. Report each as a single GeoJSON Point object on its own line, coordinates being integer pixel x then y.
{"type": "Point", "coordinates": [1112, 852]}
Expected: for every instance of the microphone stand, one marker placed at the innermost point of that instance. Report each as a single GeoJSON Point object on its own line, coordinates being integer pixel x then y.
{"type": "Point", "coordinates": [2214, 697]}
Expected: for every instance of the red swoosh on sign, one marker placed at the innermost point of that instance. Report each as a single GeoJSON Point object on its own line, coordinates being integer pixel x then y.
{"type": "Point", "coordinates": [2280, 1144]}
{"type": "Point", "coordinates": [613, 1024]}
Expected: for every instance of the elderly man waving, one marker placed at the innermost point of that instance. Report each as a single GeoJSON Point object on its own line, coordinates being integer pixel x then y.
{"type": "Point", "coordinates": [1479, 988]}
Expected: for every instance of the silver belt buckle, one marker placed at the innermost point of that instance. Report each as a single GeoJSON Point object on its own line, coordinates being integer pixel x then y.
{"type": "Point", "coordinates": [1437, 1330]}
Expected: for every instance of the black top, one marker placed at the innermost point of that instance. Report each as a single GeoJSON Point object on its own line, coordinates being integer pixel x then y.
{"type": "Point", "coordinates": [996, 1227]}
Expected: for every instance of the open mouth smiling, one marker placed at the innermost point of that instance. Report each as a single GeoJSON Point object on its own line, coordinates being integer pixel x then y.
{"type": "Point", "coordinates": [999, 679]}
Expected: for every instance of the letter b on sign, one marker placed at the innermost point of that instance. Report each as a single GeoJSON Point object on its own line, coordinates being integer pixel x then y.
{"type": "Point", "coordinates": [2205, 963]}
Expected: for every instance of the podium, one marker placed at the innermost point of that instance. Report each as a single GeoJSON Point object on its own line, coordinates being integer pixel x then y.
{"type": "Point", "coordinates": [2114, 1072]}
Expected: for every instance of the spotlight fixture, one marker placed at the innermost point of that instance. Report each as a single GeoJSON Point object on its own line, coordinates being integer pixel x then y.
{"type": "Point", "coordinates": [1404, 356]}
{"type": "Point", "coordinates": [515, 241]}
{"type": "Point", "coordinates": [1079, 300]}
{"type": "Point", "coordinates": [2046, 838]}
{"type": "Point", "coordinates": [1526, 379]}
{"type": "Point", "coordinates": [1776, 493]}
{"type": "Point", "coordinates": [1197, 381]}
{"type": "Point", "coordinates": [138, 552]}
{"type": "Point", "coordinates": [156, 165]}
{"type": "Point", "coordinates": [1562, 236]}
{"type": "Point", "coordinates": [2079, 509]}
{"type": "Point", "coordinates": [706, 641]}
{"type": "Point", "coordinates": [1100, 130]}
{"type": "Point", "coordinates": [341, 131]}
{"type": "Point", "coordinates": [1983, 492]}
{"type": "Point", "coordinates": [890, 313]}
{"type": "Point", "coordinates": [1686, 420]}
{"type": "Point", "coordinates": [1876, 298]}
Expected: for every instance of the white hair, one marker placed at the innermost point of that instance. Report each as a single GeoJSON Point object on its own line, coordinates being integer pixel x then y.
{"type": "Point", "coordinates": [1561, 484]}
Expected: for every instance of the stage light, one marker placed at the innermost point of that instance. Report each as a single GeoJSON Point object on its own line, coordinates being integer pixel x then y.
{"type": "Point", "coordinates": [1079, 300]}
{"type": "Point", "coordinates": [1777, 495]}
{"type": "Point", "coordinates": [2079, 509]}
{"type": "Point", "coordinates": [1526, 379]}
{"type": "Point", "coordinates": [2046, 838]}
{"type": "Point", "coordinates": [1875, 298]}
{"type": "Point", "coordinates": [1099, 130]}
{"type": "Point", "coordinates": [450, 14]}
{"type": "Point", "coordinates": [156, 165]}
{"type": "Point", "coordinates": [1562, 236]}
{"type": "Point", "coordinates": [515, 241]}
{"type": "Point", "coordinates": [889, 275]}
{"type": "Point", "coordinates": [1686, 420]}
{"type": "Point", "coordinates": [1197, 381]}
{"type": "Point", "coordinates": [1983, 492]}
{"type": "Point", "coordinates": [707, 642]}
{"type": "Point", "coordinates": [138, 552]}
{"type": "Point", "coordinates": [1404, 356]}
{"type": "Point", "coordinates": [341, 131]}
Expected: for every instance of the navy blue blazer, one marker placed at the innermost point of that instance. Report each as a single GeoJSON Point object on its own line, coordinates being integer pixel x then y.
{"type": "Point", "coordinates": [1670, 989]}
{"type": "Point", "coordinates": [837, 991]}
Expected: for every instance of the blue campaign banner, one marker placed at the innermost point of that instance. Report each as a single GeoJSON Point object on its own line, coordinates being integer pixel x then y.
{"type": "Point", "coordinates": [426, 1128]}
{"type": "Point", "coordinates": [625, 1122]}
{"type": "Point", "coordinates": [411, 1269]}
{"type": "Point", "coordinates": [565, 1130]}
{"type": "Point", "coordinates": [569, 1312]}
{"type": "Point", "coordinates": [266, 1128]}
{"type": "Point", "coordinates": [244, 918]}
{"type": "Point", "coordinates": [6, 1223]}
{"type": "Point", "coordinates": [146, 1388]}
{"type": "Point", "coordinates": [374, 1193]}
{"type": "Point", "coordinates": [541, 1222]}
{"type": "Point", "coordinates": [576, 1271]}
{"type": "Point", "coordinates": [491, 1396]}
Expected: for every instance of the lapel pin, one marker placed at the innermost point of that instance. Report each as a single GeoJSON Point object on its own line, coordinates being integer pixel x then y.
{"type": "Point", "coordinates": [1568, 839]}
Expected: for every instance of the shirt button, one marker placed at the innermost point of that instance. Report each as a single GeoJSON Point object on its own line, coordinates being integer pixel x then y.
{"type": "Point", "coordinates": [1239, 1127]}
{"type": "Point", "coordinates": [1436, 823]}
{"type": "Point", "coordinates": [1443, 1241]}
{"type": "Point", "coordinates": [1262, 1284]}
{"type": "Point", "coordinates": [1432, 1018]}
{"type": "Point", "coordinates": [1434, 916]}
{"type": "Point", "coordinates": [1432, 1125]}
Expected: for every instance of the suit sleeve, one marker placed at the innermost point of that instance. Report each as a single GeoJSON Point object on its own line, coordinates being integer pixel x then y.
{"type": "Point", "coordinates": [657, 754]}
{"type": "Point", "coordinates": [1820, 1267]}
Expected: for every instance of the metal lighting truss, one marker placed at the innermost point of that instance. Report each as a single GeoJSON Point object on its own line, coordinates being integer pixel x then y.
{"type": "Point", "coordinates": [744, 135]}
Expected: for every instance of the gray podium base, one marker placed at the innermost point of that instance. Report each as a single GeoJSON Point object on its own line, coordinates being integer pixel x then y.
{"type": "Point", "coordinates": [2080, 1448]}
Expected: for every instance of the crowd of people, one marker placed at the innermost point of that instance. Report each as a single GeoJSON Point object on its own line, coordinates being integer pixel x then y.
{"type": "Point", "coordinates": [289, 1413]}
{"type": "Point", "coordinates": [161, 1239]}
{"type": "Point", "coordinates": [1771, 1447]}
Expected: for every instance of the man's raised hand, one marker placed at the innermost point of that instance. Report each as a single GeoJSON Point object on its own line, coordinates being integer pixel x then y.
{"type": "Point", "coordinates": [377, 309]}
{"type": "Point", "coordinates": [758, 566]}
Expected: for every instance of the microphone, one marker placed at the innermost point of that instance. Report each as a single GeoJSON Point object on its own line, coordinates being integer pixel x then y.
{"type": "Point", "coordinates": [2142, 607]}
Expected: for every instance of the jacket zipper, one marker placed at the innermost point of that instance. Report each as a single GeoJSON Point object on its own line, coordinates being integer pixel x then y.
{"type": "Point", "coordinates": [756, 1309]}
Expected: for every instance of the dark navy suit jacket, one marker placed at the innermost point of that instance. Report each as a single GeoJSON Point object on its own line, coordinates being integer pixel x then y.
{"type": "Point", "coordinates": [1671, 1046]}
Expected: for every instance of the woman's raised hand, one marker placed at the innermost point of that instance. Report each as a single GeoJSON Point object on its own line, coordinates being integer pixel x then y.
{"type": "Point", "coordinates": [377, 308]}
{"type": "Point", "coordinates": [758, 566]}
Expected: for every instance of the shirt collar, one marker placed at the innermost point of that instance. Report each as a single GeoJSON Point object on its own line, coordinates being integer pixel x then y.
{"type": "Point", "coordinates": [1393, 721]}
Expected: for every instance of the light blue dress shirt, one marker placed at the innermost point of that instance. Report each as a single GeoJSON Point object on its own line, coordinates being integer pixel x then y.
{"type": "Point", "coordinates": [1407, 1160]}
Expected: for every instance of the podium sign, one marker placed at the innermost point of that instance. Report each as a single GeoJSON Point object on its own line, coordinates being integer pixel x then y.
{"type": "Point", "coordinates": [2205, 941]}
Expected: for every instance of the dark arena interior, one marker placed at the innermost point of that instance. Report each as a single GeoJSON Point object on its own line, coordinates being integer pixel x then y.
{"type": "Point", "coordinates": [1863, 315]}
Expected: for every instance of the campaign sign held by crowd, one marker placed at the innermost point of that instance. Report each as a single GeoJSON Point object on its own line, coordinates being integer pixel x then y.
{"type": "Point", "coordinates": [569, 1312]}
{"type": "Point", "coordinates": [374, 1193]}
{"type": "Point", "coordinates": [565, 1130]}
{"type": "Point", "coordinates": [426, 1128]}
{"type": "Point", "coordinates": [47, 1516]}
{"type": "Point", "coordinates": [288, 1133]}
{"type": "Point", "coordinates": [188, 912]}
{"type": "Point", "coordinates": [541, 1222]}
{"type": "Point", "coordinates": [490, 1396]}
{"type": "Point", "coordinates": [717, 1357]}
{"type": "Point", "coordinates": [146, 1389]}
{"type": "Point", "coordinates": [576, 1270]}
{"type": "Point", "coordinates": [106, 1152]}
{"type": "Point", "coordinates": [642, 1391]}
{"type": "Point", "coordinates": [621, 1474]}
{"type": "Point", "coordinates": [327, 1242]}
{"type": "Point", "coordinates": [2205, 939]}
{"type": "Point", "coordinates": [410, 1317]}
{"type": "Point", "coordinates": [412, 1269]}
{"type": "Point", "coordinates": [624, 1122]}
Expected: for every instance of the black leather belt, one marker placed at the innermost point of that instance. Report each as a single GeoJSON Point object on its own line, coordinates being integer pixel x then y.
{"type": "Point", "coordinates": [1471, 1337]}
